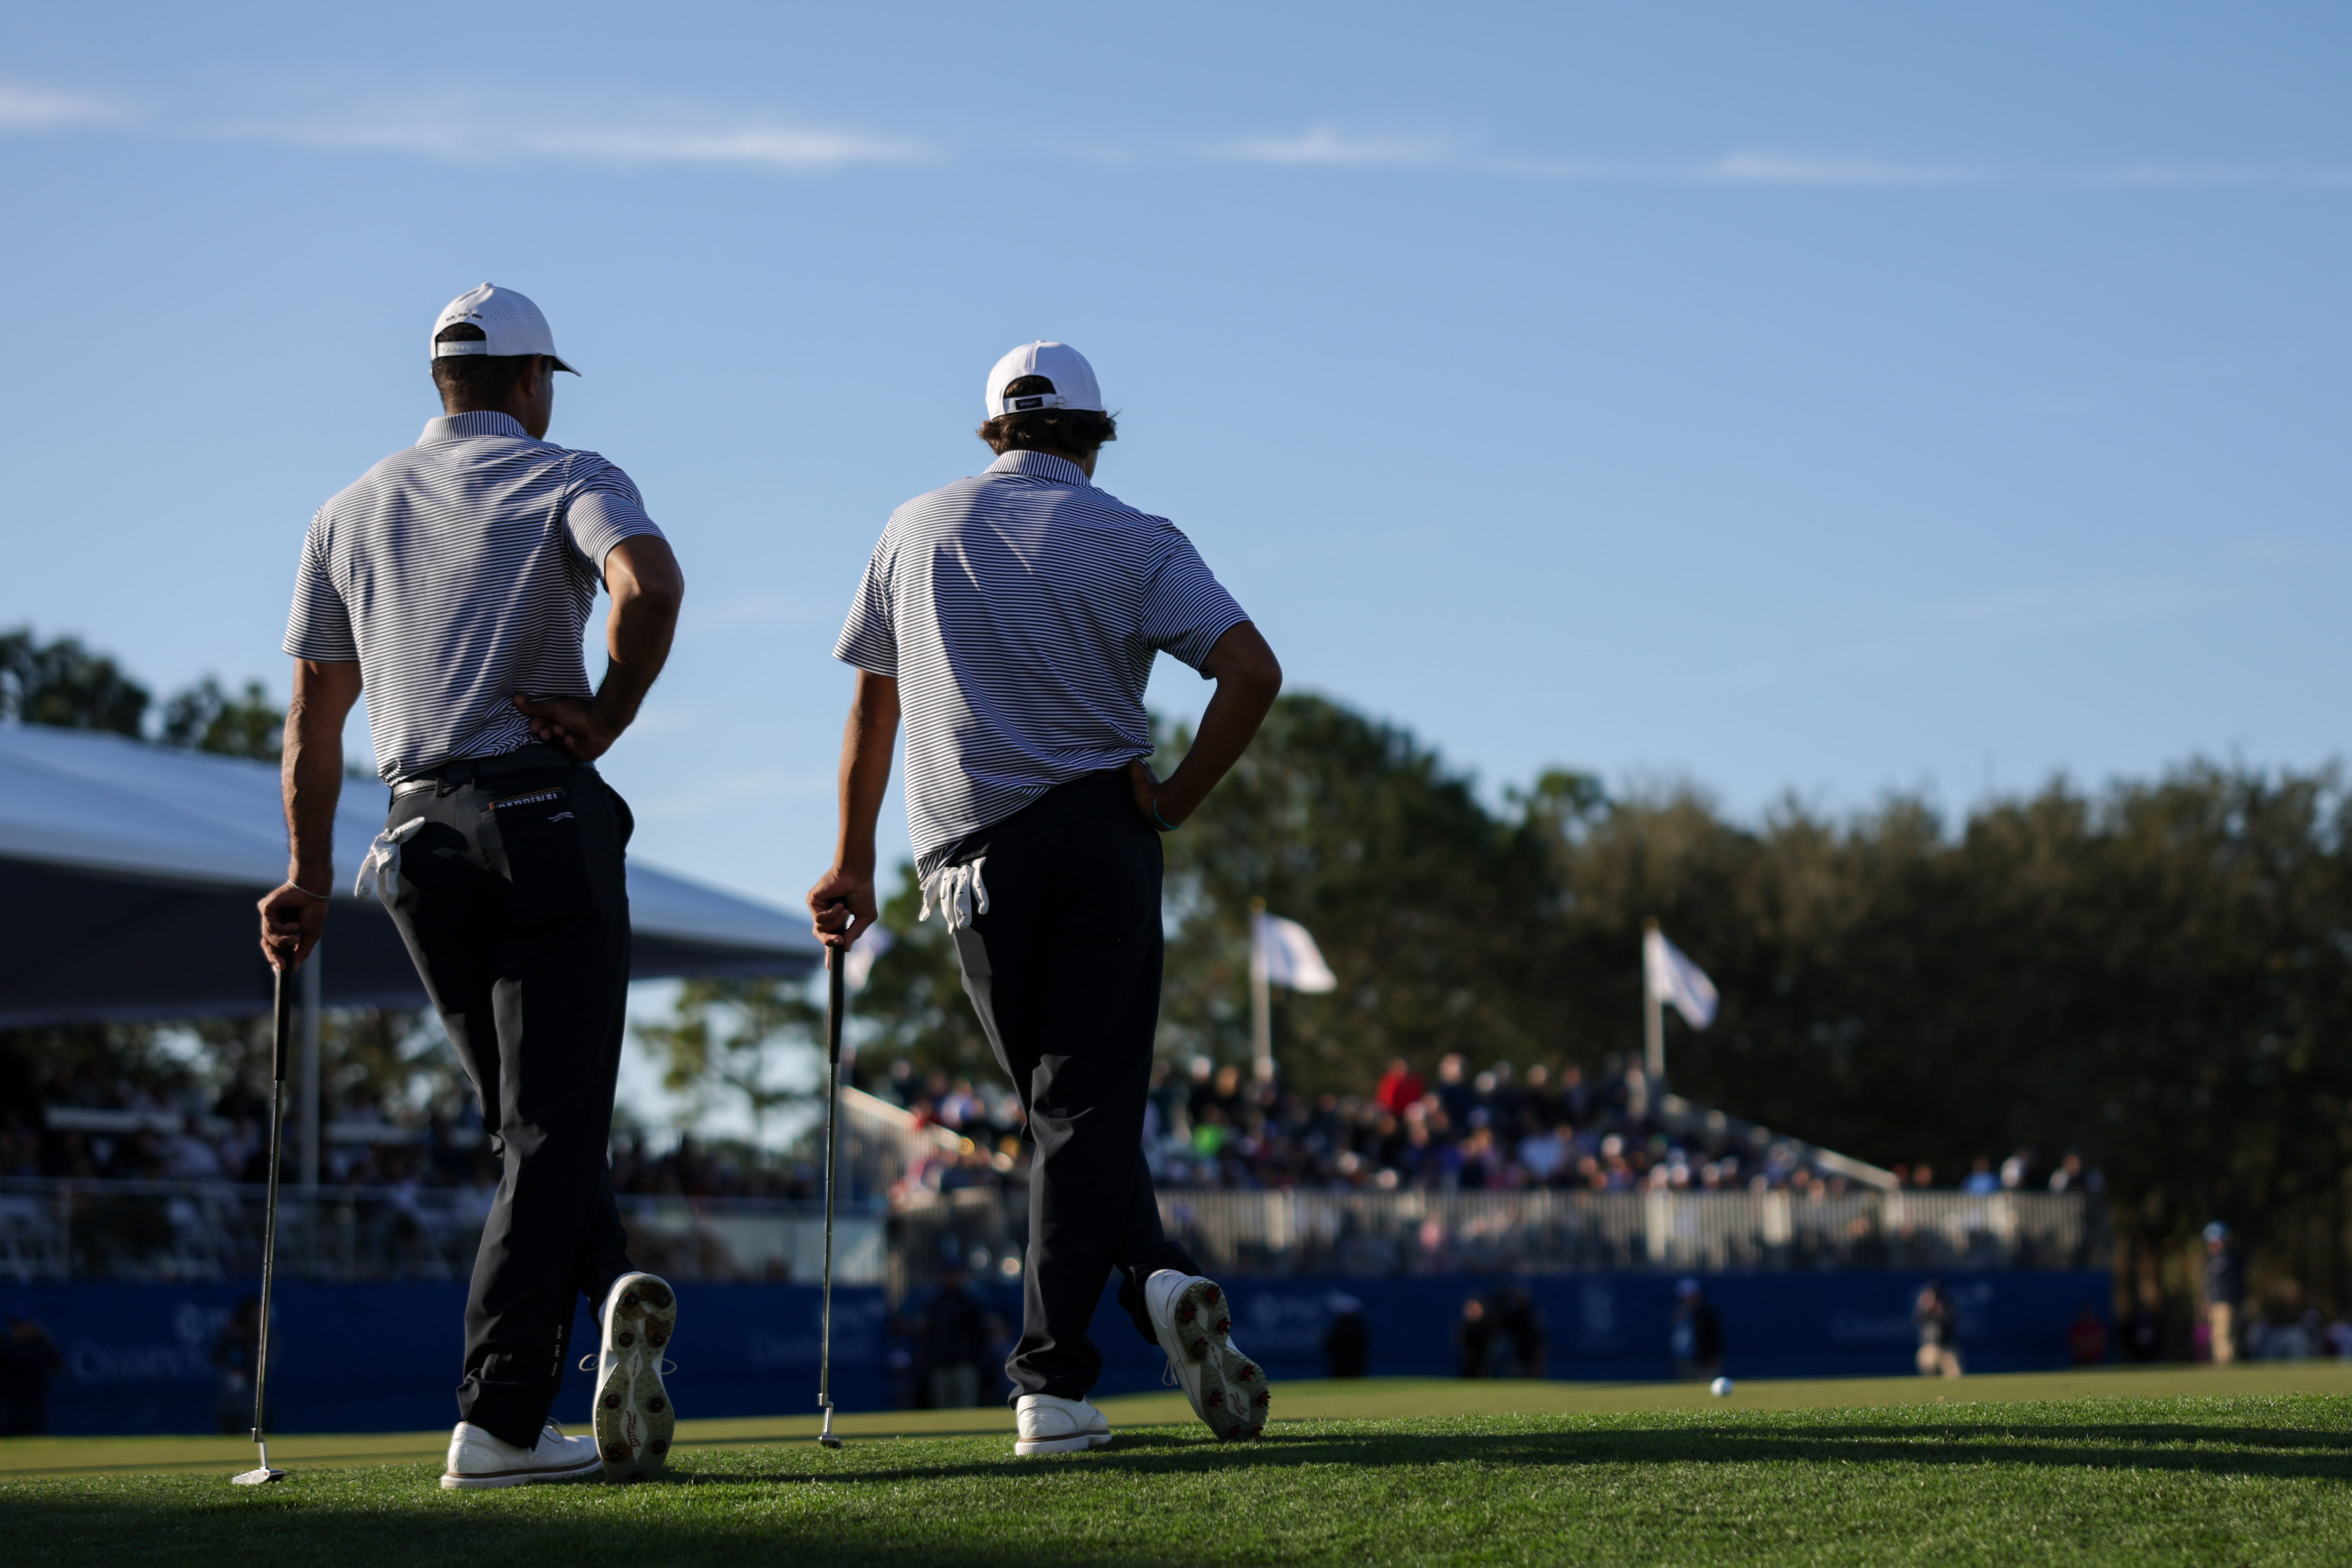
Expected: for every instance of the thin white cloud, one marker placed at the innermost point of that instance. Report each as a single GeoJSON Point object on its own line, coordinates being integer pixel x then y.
{"type": "Point", "coordinates": [2165, 176]}
{"type": "Point", "coordinates": [24, 107]}
{"type": "Point", "coordinates": [455, 131]}
{"type": "Point", "coordinates": [1326, 145]}
{"type": "Point", "coordinates": [1786, 169]}
{"type": "Point", "coordinates": [466, 128]}
{"type": "Point", "coordinates": [1331, 147]}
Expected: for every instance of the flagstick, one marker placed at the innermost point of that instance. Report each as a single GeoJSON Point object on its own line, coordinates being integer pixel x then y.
{"type": "Point", "coordinates": [1654, 1016]}
{"type": "Point", "coordinates": [1261, 999]}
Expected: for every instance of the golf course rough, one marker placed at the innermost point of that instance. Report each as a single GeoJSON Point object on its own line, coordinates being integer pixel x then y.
{"type": "Point", "coordinates": [2254, 1479]}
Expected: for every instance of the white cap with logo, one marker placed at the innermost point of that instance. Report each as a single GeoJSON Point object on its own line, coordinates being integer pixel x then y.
{"type": "Point", "coordinates": [1065, 367]}
{"type": "Point", "coordinates": [510, 325]}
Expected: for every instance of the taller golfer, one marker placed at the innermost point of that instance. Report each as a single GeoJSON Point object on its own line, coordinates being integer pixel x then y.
{"type": "Point", "coordinates": [1013, 617]}
{"type": "Point", "coordinates": [452, 582]}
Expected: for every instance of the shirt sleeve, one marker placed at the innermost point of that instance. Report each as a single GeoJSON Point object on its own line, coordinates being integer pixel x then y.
{"type": "Point", "coordinates": [1185, 608]}
{"type": "Point", "coordinates": [869, 638]}
{"type": "Point", "coordinates": [603, 510]}
{"type": "Point", "coordinates": [320, 625]}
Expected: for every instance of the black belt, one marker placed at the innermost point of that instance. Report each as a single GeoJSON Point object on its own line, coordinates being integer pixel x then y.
{"type": "Point", "coordinates": [537, 755]}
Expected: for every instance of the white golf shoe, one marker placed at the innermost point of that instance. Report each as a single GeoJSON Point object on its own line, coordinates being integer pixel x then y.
{"type": "Point", "coordinates": [634, 1419]}
{"type": "Point", "coordinates": [1194, 1323]}
{"type": "Point", "coordinates": [1047, 1424]}
{"type": "Point", "coordinates": [479, 1459]}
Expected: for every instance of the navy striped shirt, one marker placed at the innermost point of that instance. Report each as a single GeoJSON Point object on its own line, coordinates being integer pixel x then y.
{"type": "Point", "coordinates": [458, 573]}
{"type": "Point", "coordinates": [1020, 611]}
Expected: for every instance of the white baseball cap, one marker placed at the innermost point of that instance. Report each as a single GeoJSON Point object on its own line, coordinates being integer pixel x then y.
{"type": "Point", "coordinates": [1072, 378]}
{"type": "Point", "coordinates": [510, 325]}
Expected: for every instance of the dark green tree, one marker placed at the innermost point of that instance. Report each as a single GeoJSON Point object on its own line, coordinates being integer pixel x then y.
{"type": "Point", "coordinates": [63, 683]}
{"type": "Point", "coordinates": [1421, 901]}
{"type": "Point", "coordinates": [206, 718]}
{"type": "Point", "coordinates": [722, 1036]}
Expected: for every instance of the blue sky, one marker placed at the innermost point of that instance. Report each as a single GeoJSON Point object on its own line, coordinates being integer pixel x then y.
{"type": "Point", "coordinates": [1813, 398]}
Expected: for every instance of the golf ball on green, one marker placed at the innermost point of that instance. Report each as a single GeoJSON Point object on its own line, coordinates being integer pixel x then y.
{"type": "Point", "coordinates": [1720, 1388]}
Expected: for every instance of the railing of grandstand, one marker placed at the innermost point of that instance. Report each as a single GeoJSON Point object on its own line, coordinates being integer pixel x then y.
{"type": "Point", "coordinates": [55, 1230]}
{"type": "Point", "coordinates": [1415, 1232]}
{"type": "Point", "coordinates": [60, 1229]}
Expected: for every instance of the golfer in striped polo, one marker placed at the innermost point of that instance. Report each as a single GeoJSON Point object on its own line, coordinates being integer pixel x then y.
{"type": "Point", "coordinates": [453, 581]}
{"type": "Point", "coordinates": [1013, 619]}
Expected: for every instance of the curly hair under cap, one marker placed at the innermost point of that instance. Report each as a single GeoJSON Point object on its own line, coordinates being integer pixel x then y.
{"type": "Point", "coordinates": [1075, 430]}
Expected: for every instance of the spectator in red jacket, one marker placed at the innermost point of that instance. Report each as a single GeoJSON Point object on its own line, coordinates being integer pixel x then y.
{"type": "Point", "coordinates": [1400, 1086]}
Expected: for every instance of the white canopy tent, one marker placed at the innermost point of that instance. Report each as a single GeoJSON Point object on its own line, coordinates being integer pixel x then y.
{"type": "Point", "coordinates": [128, 876]}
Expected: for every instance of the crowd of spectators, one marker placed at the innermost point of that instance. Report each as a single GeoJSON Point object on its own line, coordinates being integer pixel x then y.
{"type": "Point", "coordinates": [1211, 1126]}
{"type": "Point", "coordinates": [1207, 1126]}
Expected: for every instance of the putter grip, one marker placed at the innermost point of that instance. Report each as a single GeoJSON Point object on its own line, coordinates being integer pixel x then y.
{"type": "Point", "coordinates": [832, 1006]}
{"type": "Point", "coordinates": [281, 1029]}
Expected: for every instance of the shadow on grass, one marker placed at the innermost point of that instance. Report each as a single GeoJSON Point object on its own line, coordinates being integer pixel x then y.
{"type": "Point", "coordinates": [885, 1505]}
{"type": "Point", "coordinates": [2189, 1448]}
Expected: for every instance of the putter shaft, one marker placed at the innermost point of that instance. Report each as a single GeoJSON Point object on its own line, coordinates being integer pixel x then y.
{"type": "Point", "coordinates": [280, 1028]}
{"type": "Point", "coordinates": [834, 1006]}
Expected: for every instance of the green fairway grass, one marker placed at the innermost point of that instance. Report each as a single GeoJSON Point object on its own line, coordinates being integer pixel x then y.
{"type": "Point", "coordinates": [2171, 1466]}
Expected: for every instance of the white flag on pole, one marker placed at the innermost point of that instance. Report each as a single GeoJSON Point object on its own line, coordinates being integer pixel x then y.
{"type": "Point", "coordinates": [1286, 956]}
{"type": "Point", "coordinates": [1674, 980]}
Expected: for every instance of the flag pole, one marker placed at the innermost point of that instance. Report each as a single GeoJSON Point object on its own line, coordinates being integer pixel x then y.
{"type": "Point", "coordinates": [1653, 1017]}
{"type": "Point", "coordinates": [1261, 997]}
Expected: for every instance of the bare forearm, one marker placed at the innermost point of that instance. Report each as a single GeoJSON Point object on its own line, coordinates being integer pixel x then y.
{"type": "Point", "coordinates": [1226, 730]}
{"type": "Point", "coordinates": [311, 773]}
{"type": "Point", "coordinates": [648, 588]}
{"type": "Point", "coordinates": [638, 637]}
{"type": "Point", "coordinates": [1248, 680]}
{"type": "Point", "coordinates": [866, 743]}
{"type": "Point", "coordinates": [313, 780]}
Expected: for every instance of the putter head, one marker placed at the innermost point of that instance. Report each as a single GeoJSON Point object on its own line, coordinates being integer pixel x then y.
{"type": "Point", "coordinates": [260, 1477]}
{"type": "Point", "coordinates": [825, 1438]}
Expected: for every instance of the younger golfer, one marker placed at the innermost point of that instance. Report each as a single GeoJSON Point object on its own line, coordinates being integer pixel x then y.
{"type": "Point", "coordinates": [1014, 619]}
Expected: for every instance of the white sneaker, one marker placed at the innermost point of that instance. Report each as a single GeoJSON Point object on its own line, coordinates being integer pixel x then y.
{"type": "Point", "coordinates": [1194, 1323]}
{"type": "Point", "coordinates": [479, 1459]}
{"type": "Point", "coordinates": [1048, 1424]}
{"type": "Point", "coordinates": [633, 1418]}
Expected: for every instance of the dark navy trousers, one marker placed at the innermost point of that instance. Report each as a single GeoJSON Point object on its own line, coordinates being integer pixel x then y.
{"type": "Point", "coordinates": [1064, 969]}
{"type": "Point", "coordinates": [513, 902]}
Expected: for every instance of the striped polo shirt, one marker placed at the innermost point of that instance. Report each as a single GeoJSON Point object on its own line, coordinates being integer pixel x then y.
{"type": "Point", "coordinates": [458, 573]}
{"type": "Point", "coordinates": [1020, 611]}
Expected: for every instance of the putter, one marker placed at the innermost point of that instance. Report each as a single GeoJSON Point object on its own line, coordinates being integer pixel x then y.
{"type": "Point", "coordinates": [280, 1030]}
{"type": "Point", "coordinates": [832, 1011]}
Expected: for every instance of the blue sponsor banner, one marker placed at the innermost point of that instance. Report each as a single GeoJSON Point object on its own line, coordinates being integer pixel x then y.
{"type": "Point", "coordinates": [1617, 1326]}
{"type": "Point", "coordinates": [386, 1357]}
